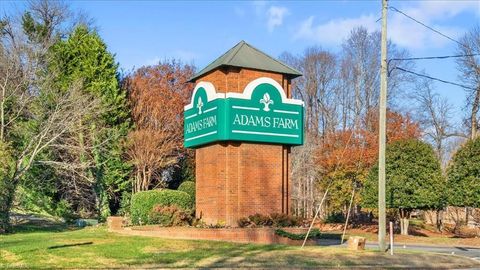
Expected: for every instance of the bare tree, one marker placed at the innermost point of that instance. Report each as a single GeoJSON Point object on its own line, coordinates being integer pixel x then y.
{"type": "Point", "coordinates": [469, 68]}
{"type": "Point", "coordinates": [26, 121]}
{"type": "Point", "coordinates": [52, 124]}
{"type": "Point", "coordinates": [317, 88]}
{"type": "Point", "coordinates": [360, 74]}
{"type": "Point", "coordinates": [305, 179]}
{"type": "Point", "coordinates": [15, 77]}
{"type": "Point", "coordinates": [148, 151]}
{"type": "Point", "coordinates": [434, 114]}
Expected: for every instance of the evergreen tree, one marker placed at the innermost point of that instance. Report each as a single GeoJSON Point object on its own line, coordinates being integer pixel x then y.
{"type": "Point", "coordinates": [463, 174]}
{"type": "Point", "coordinates": [7, 187]}
{"type": "Point", "coordinates": [413, 180]}
{"type": "Point", "coordinates": [83, 59]}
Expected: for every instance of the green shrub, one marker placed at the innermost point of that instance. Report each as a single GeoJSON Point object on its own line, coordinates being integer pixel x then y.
{"type": "Point", "coordinates": [125, 204]}
{"type": "Point", "coordinates": [284, 220]}
{"type": "Point", "coordinates": [189, 188]}
{"type": "Point", "coordinates": [64, 210]}
{"type": "Point", "coordinates": [275, 220]}
{"type": "Point", "coordinates": [170, 216]}
{"type": "Point", "coordinates": [335, 218]}
{"type": "Point", "coordinates": [260, 220]}
{"type": "Point", "coordinates": [143, 202]}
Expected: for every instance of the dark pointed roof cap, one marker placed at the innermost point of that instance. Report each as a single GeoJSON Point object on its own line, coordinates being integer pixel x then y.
{"type": "Point", "coordinates": [244, 55]}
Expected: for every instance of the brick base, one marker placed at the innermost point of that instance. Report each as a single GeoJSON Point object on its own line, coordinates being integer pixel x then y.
{"type": "Point", "coordinates": [238, 235]}
{"type": "Point", "coordinates": [115, 223]}
{"type": "Point", "coordinates": [235, 180]}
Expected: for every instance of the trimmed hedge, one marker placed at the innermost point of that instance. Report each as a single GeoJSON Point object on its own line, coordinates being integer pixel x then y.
{"type": "Point", "coordinates": [143, 202]}
{"type": "Point", "coordinates": [189, 188]}
{"type": "Point", "coordinates": [170, 216]}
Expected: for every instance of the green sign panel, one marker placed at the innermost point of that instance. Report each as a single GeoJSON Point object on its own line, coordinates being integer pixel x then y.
{"type": "Point", "coordinates": [262, 113]}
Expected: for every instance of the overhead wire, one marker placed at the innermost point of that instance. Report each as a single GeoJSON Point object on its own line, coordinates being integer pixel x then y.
{"type": "Point", "coordinates": [435, 79]}
{"type": "Point", "coordinates": [435, 57]}
{"type": "Point", "coordinates": [431, 57]}
{"type": "Point", "coordinates": [426, 26]}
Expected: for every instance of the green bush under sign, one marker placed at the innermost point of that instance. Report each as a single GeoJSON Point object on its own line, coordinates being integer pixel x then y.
{"type": "Point", "coordinates": [143, 202]}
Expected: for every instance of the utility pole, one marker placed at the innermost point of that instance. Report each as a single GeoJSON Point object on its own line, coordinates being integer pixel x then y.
{"type": "Point", "coordinates": [382, 134]}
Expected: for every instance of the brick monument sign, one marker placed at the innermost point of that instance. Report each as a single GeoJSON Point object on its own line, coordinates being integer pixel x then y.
{"type": "Point", "coordinates": [242, 122]}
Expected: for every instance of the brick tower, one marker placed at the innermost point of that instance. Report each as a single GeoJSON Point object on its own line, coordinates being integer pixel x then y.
{"type": "Point", "coordinates": [237, 178]}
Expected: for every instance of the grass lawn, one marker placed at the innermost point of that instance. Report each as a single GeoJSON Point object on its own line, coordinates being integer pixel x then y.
{"type": "Point", "coordinates": [57, 246]}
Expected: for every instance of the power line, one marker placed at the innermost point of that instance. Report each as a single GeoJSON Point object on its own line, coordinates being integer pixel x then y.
{"type": "Point", "coordinates": [435, 57]}
{"type": "Point", "coordinates": [426, 26]}
{"type": "Point", "coordinates": [435, 79]}
{"type": "Point", "coordinates": [430, 58]}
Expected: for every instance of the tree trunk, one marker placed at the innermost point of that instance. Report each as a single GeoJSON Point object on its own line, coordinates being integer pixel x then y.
{"type": "Point", "coordinates": [404, 221]}
{"type": "Point", "coordinates": [7, 192]}
{"type": "Point", "coordinates": [439, 220]}
{"type": "Point", "coordinates": [467, 215]}
{"type": "Point", "coordinates": [475, 108]}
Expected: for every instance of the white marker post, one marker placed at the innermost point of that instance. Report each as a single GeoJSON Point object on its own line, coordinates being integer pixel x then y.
{"type": "Point", "coordinates": [391, 238]}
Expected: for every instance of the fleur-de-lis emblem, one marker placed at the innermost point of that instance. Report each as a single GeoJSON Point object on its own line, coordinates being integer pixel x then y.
{"type": "Point", "coordinates": [266, 101]}
{"type": "Point", "coordinates": [199, 105]}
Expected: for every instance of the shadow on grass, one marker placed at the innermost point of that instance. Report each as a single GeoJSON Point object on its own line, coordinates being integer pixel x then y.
{"type": "Point", "coordinates": [71, 245]}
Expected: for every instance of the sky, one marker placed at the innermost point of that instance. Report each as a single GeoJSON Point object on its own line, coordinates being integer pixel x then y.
{"type": "Point", "coordinates": [144, 32]}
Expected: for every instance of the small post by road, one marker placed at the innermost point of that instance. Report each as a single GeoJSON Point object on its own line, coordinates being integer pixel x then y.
{"type": "Point", "coordinates": [382, 133]}
{"type": "Point", "coordinates": [391, 238]}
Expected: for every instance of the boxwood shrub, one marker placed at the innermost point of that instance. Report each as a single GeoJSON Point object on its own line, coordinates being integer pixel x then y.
{"type": "Point", "coordinates": [189, 188]}
{"type": "Point", "coordinates": [143, 202]}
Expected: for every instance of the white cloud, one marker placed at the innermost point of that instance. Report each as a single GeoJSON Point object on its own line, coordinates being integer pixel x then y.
{"type": "Point", "coordinates": [409, 34]}
{"type": "Point", "coordinates": [272, 15]}
{"type": "Point", "coordinates": [433, 10]}
{"type": "Point", "coordinates": [333, 32]}
{"type": "Point", "coordinates": [401, 30]}
{"type": "Point", "coordinates": [275, 16]}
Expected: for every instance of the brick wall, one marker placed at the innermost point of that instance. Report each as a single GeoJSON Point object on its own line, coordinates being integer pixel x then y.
{"type": "Point", "coordinates": [239, 235]}
{"type": "Point", "coordinates": [238, 179]}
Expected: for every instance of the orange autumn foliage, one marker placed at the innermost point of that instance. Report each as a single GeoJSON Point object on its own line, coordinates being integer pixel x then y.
{"type": "Point", "coordinates": [345, 157]}
{"type": "Point", "coordinates": [356, 150]}
{"type": "Point", "coordinates": [157, 95]}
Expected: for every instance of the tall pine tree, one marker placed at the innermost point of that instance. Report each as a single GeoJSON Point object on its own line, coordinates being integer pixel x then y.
{"type": "Point", "coordinates": [83, 59]}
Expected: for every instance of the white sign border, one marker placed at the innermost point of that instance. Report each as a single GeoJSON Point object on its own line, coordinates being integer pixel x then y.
{"type": "Point", "coordinates": [211, 93]}
{"type": "Point", "coordinates": [247, 92]}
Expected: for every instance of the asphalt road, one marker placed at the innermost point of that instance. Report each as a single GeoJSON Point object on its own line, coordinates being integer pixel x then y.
{"type": "Point", "coordinates": [471, 252]}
